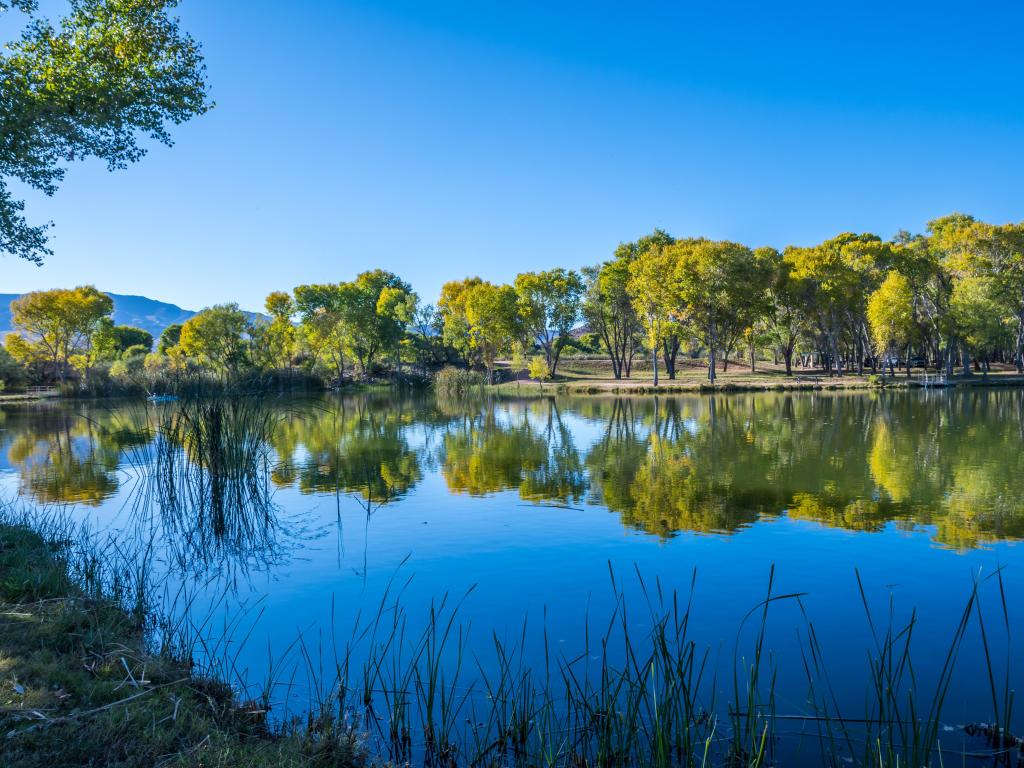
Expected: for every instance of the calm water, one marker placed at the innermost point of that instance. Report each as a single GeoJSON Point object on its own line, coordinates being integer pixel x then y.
{"type": "Point", "coordinates": [537, 502]}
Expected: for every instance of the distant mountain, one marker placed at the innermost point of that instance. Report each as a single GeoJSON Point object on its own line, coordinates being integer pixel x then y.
{"type": "Point", "coordinates": [141, 312]}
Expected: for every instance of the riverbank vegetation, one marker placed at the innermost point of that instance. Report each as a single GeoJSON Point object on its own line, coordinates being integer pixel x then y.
{"type": "Point", "coordinates": [85, 682]}
{"type": "Point", "coordinates": [950, 300]}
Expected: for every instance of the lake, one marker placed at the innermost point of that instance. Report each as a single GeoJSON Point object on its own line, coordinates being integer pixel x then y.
{"type": "Point", "coordinates": [564, 514]}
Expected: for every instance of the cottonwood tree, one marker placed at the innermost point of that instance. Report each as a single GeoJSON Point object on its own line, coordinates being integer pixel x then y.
{"type": "Point", "coordinates": [839, 275]}
{"type": "Point", "coordinates": [890, 316]}
{"type": "Point", "coordinates": [111, 342]}
{"type": "Point", "coordinates": [280, 331]}
{"type": "Point", "coordinates": [424, 331]}
{"type": "Point", "coordinates": [549, 308]}
{"type": "Point", "coordinates": [984, 321]}
{"type": "Point", "coordinates": [451, 312]}
{"type": "Point", "coordinates": [494, 324]}
{"type": "Point", "coordinates": [376, 311]}
{"type": "Point", "coordinates": [324, 322]}
{"type": "Point", "coordinates": [718, 284]}
{"type": "Point", "coordinates": [785, 316]}
{"type": "Point", "coordinates": [169, 338]}
{"type": "Point", "coordinates": [55, 325]}
{"type": "Point", "coordinates": [608, 310]}
{"type": "Point", "coordinates": [656, 299]}
{"type": "Point", "coordinates": [92, 85]}
{"type": "Point", "coordinates": [216, 337]}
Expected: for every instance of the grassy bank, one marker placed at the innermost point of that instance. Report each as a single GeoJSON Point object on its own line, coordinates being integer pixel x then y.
{"type": "Point", "coordinates": [584, 376]}
{"type": "Point", "coordinates": [81, 686]}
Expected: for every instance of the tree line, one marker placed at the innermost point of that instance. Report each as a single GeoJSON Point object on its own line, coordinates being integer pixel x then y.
{"type": "Point", "coordinates": [953, 296]}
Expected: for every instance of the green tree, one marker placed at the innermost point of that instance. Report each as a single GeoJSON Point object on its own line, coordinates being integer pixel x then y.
{"type": "Point", "coordinates": [891, 317]}
{"type": "Point", "coordinates": [492, 313]}
{"type": "Point", "coordinates": [215, 338]}
{"type": "Point", "coordinates": [60, 323]}
{"type": "Point", "coordinates": [169, 338]}
{"type": "Point", "coordinates": [280, 331]}
{"type": "Point", "coordinates": [451, 311]}
{"type": "Point", "coordinates": [12, 373]}
{"type": "Point", "coordinates": [721, 287]}
{"type": "Point", "coordinates": [982, 317]}
{"type": "Point", "coordinates": [549, 308]}
{"type": "Point", "coordinates": [424, 331]}
{"type": "Point", "coordinates": [110, 341]}
{"type": "Point", "coordinates": [785, 315]}
{"type": "Point", "coordinates": [654, 291]}
{"type": "Point", "coordinates": [609, 311]}
{"type": "Point", "coordinates": [953, 243]}
{"type": "Point", "coordinates": [108, 73]}
{"type": "Point", "coordinates": [838, 276]}
{"type": "Point", "coordinates": [324, 322]}
{"type": "Point", "coordinates": [1004, 260]}
{"type": "Point", "coordinates": [376, 308]}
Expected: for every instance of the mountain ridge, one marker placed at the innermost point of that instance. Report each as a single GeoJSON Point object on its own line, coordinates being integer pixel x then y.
{"type": "Point", "coordinates": [129, 309]}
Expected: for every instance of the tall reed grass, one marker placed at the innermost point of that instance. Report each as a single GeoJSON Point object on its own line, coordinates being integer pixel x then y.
{"type": "Point", "coordinates": [453, 382]}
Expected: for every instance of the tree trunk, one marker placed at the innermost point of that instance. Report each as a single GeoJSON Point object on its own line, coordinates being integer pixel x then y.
{"type": "Point", "coordinates": [711, 353]}
{"type": "Point", "coordinates": [1018, 356]}
{"type": "Point", "coordinates": [670, 349]}
{"type": "Point", "coordinates": [654, 362]}
{"type": "Point", "coordinates": [753, 369]}
{"type": "Point", "coordinates": [553, 361]}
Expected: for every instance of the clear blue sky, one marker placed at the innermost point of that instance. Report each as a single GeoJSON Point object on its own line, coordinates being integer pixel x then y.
{"type": "Point", "coordinates": [439, 140]}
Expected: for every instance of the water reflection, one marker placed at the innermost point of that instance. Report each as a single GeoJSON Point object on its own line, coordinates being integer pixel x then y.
{"type": "Point", "coordinates": [525, 446]}
{"type": "Point", "coordinates": [349, 445]}
{"type": "Point", "coordinates": [665, 466]}
{"type": "Point", "coordinates": [63, 456]}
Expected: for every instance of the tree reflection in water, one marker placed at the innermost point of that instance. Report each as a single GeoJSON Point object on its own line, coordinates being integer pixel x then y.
{"type": "Point", "coordinates": [704, 464]}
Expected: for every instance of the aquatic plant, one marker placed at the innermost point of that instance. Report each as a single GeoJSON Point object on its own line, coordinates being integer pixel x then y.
{"type": "Point", "coordinates": [458, 382]}
{"type": "Point", "coordinates": [210, 478]}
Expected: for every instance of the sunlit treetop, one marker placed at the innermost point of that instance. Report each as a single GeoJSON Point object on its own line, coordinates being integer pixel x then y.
{"type": "Point", "coordinates": [110, 74]}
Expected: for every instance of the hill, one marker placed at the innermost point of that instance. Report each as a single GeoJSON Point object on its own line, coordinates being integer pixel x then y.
{"type": "Point", "coordinates": [139, 311]}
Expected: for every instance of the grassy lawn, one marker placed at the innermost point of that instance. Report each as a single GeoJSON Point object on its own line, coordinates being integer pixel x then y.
{"type": "Point", "coordinates": [594, 376]}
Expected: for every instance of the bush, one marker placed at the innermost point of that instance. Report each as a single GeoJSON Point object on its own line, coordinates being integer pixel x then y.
{"type": "Point", "coordinates": [12, 373]}
{"type": "Point", "coordinates": [451, 381]}
{"type": "Point", "coordinates": [539, 368]}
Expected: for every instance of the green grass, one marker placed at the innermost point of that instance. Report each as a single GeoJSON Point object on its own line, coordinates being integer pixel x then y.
{"type": "Point", "coordinates": [80, 686]}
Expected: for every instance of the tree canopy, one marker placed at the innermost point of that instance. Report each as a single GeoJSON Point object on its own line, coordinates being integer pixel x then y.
{"type": "Point", "coordinates": [108, 73]}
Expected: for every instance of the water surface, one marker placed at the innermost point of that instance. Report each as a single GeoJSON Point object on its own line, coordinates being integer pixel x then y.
{"type": "Point", "coordinates": [537, 505]}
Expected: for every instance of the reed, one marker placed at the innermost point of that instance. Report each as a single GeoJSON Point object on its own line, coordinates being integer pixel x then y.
{"type": "Point", "coordinates": [452, 382]}
{"type": "Point", "coordinates": [210, 480]}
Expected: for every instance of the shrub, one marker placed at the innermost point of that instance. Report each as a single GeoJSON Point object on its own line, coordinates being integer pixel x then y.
{"type": "Point", "coordinates": [539, 368]}
{"type": "Point", "coordinates": [12, 373]}
{"type": "Point", "coordinates": [451, 381]}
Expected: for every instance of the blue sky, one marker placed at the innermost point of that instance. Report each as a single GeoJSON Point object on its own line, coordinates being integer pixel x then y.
{"type": "Point", "coordinates": [439, 140]}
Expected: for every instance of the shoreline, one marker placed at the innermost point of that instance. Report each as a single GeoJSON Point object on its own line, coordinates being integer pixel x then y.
{"type": "Point", "coordinates": [135, 705]}
{"type": "Point", "coordinates": [751, 383]}
{"type": "Point", "coordinates": [625, 388]}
